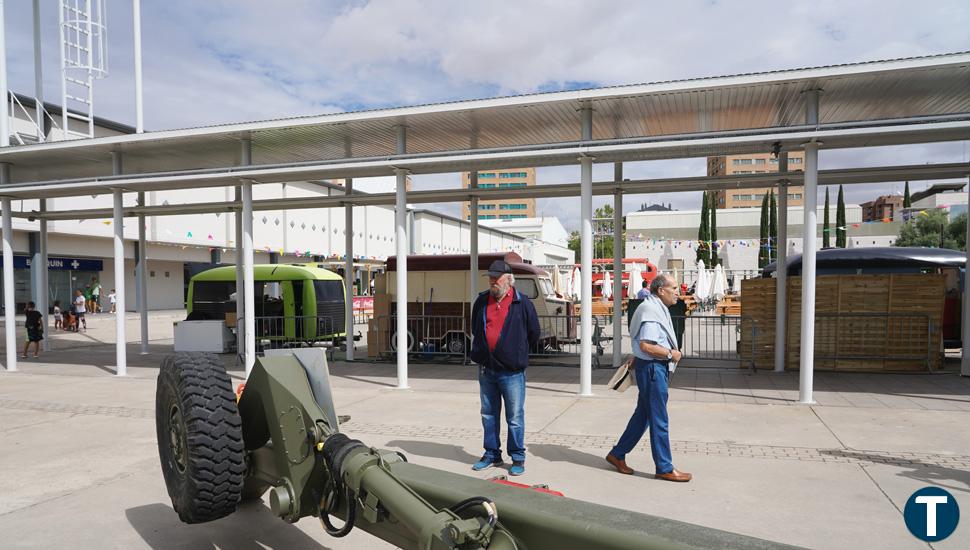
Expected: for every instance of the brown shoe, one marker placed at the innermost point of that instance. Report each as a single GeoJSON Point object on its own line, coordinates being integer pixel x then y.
{"type": "Point", "coordinates": [620, 465]}
{"type": "Point", "coordinates": [674, 475]}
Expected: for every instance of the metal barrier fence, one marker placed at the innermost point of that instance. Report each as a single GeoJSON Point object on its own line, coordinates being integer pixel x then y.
{"type": "Point", "coordinates": [715, 337]}
{"type": "Point", "coordinates": [304, 330]}
{"type": "Point", "coordinates": [428, 336]}
{"type": "Point", "coordinates": [875, 337]}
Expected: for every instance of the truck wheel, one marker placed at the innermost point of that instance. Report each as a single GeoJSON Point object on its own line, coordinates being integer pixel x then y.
{"type": "Point", "coordinates": [458, 344]}
{"type": "Point", "coordinates": [199, 437]}
{"type": "Point", "coordinates": [410, 341]}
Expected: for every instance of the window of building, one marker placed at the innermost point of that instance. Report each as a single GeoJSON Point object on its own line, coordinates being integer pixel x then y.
{"type": "Point", "coordinates": [512, 175]}
{"type": "Point", "coordinates": [744, 171]}
{"type": "Point", "coordinates": [795, 161]}
{"type": "Point", "coordinates": [486, 185]}
{"type": "Point", "coordinates": [742, 197]}
{"type": "Point", "coordinates": [511, 216]}
{"type": "Point", "coordinates": [513, 207]}
{"type": "Point", "coordinates": [742, 161]}
{"type": "Point", "coordinates": [512, 185]}
{"type": "Point", "coordinates": [486, 175]}
{"type": "Point", "coordinates": [773, 161]}
{"type": "Point", "coordinates": [487, 206]}
{"type": "Point", "coordinates": [486, 217]}
{"type": "Point", "coordinates": [759, 161]}
{"type": "Point", "coordinates": [795, 196]}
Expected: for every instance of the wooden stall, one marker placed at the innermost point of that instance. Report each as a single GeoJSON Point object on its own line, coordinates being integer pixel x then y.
{"type": "Point", "coordinates": [874, 322]}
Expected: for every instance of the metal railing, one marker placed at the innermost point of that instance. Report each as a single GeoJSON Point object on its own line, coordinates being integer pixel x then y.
{"type": "Point", "coordinates": [894, 337]}
{"type": "Point", "coordinates": [715, 337]}
{"type": "Point", "coordinates": [428, 336]}
{"type": "Point", "coordinates": [295, 331]}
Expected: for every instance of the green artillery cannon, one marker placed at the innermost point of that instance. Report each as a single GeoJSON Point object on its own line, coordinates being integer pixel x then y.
{"type": "Point", "coordinates": [284, 437]}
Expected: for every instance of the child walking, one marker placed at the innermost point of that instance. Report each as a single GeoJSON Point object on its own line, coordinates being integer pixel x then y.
{"type": "Point", "coordinates": [58, 317]}
{"type": "Point", "coordinates": [35, 329]}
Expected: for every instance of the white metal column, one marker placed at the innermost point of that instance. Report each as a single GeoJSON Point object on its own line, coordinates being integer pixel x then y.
{"type": "Point", "coordinates": [401, 278]}
{"type": "Point", "coordinates": [586, 263]}
{"type": "Point", "coordinates": [119, 257]}
{"type": "Point", "coordinates": [472, 243]}
{"type": "Point", "coordinates": [349, 270]}
{"type": "Point", "coordinates": [617, 265]}
{"type": "Point", "coordinates": [781, 274]}
{"type": "Point", "coordinates": [964, 356]}
{"type": "Point", "coordinates": [249, 293]}
{"type": "Point", "coordinates": [810, 226]}
{"type": "Point", "coordinates": [44, 295]}
{"type": "Point", "coordinates": [39, 98]}
{"type": "Point", "coordinates": [141, 272]}
{"type": "Point", "coordinates": [245, 159]}
{"type": "Point", "coordinates": [5, 104]}
{"type": "Point", "coordinates": [9, 298]}
{"type": "Point", "coordinates": [136, 25]}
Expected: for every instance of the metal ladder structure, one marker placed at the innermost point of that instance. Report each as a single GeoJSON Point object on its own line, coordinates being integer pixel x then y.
{"type": "Point", "coordinates": [84, 58]}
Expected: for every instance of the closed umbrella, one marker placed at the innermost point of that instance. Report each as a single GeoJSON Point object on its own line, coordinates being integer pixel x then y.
{"type": "Point", "coordinates": [719, 284]}
{"type": "Point", "coordinates": [557, 281]}
{"type": "Point", "coordinates": [576, 284]}
{"type": "Point", "coordinates": [607, 283]}
{"type": "Point", "coordinates": [702, 291]}
{"type": "Point", "coordinates": [634, 281]}
{"type": "Point", "coordinates": [737, 284]}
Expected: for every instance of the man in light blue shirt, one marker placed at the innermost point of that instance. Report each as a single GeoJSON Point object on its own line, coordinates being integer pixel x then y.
{"type": "Point", "coordinates": [644, 292]}
{"type": "Point", "coordinates": [656, 355]}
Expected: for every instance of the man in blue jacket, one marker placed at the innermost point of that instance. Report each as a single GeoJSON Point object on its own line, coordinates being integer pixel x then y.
{"type": "Point", "coordinates": [505, 328]}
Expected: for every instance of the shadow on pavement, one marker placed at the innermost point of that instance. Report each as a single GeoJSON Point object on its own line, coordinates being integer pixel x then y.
{"type": "Point", "coordinates": [434, 450]}
{"type": "Point", "coordinates": [558, 453]}
{"type": "Point", "coordinates": [915, 469]}
{"type": "Point", "coordinates": [252, 527]}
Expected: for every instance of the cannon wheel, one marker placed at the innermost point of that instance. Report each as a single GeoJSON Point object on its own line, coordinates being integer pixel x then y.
{"type": "Point", "coordinates": [199, 433]}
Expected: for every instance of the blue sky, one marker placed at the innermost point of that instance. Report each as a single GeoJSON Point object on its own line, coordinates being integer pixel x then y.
{"type": "Point", "coordinates": [230, 61]}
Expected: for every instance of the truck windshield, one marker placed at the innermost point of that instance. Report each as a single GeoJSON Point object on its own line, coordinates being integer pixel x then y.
{"type": "Point", "coordinates": [212, 291]}
{"type": "Point", "coordinates": [546, 285]}
{"type": "Point", "coordinates": [527, 287]}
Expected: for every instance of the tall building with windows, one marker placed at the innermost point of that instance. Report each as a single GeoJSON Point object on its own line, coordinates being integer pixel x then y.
{"type": "Point", "coordinates": [759, 163]}
{"type": "Point", "coordinates": [504, 209]}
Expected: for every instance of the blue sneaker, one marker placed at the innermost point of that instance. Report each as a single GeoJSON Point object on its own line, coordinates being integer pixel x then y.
{"type": "Point", "coordinates": [486, 462]}
{"type": "Point", "coordinates": [517, 469]}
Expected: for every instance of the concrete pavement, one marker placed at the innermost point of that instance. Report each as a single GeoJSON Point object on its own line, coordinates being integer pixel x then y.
{"type": "Point", "coordinates": [79, 465]}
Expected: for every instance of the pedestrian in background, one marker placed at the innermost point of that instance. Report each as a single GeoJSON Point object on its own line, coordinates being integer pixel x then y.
{"type": "Point", "coordinates": [505, 328]}
{"type": "Point", "coordinates": [35, 329]}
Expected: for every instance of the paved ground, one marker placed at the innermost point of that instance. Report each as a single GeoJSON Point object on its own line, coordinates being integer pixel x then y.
{"type": "Point", "coordinates": [79, 465]}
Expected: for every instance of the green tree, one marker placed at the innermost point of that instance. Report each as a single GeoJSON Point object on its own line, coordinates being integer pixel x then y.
{"type": "Point", "coordinates": [840, 229]}
{"type": "Point", "coordinates": [907, 202]}
{"type": "Point", "coordinates": [763, 242]}
{"type": "Point", "coordinates": [933, 229]}
{"type": "Point", "coordinates": [704, 232]}
{"type": "Point", "coordinates": [825, 223]}
{"type": "Point", "coordinates": [713, 232]}
{"type": "Point", "coordinates": [772, 228]}
{"type": "Point", "coordinates": [574, 244]}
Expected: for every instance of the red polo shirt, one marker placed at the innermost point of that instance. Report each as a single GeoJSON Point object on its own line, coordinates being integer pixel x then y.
{"type": "Point", "coordinates": [495, 314]}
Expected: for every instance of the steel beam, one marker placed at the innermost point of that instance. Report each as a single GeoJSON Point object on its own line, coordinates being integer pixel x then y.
{"type": "Point", "coordinates": [617, 266]}
{"type": "Point", "coordinates": [349, 272]}
{"type": "Point", "coordinates": [9, 296]}
{"type": "Point", "coordinates": [39, 95]}
{"type": "Point", "coordinates": [586, 264]}
{"type": "Point", "coordinates": [141, 272]}
{"type": "Point", "coordinates": [121, 350]}
{"type": "Point", "coordinates": [810, 227]}
{"type": "Point", "coordinates": [43, 296]}
{"type": "Point", "coordinates": [249, 292]}
{"type": "Point", "coordinates": [401, 276]}
{"type": "Point", "coordinates": [781, 283]}
{"type": "Point", "coordinates": [136, 26]}
{"type": "Point", "coordinates": [473, 241]}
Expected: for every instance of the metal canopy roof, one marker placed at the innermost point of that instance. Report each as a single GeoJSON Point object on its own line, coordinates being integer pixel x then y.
{"type": "Point", "coordinates": [864, 104]}
{"type": "Point", "coordinates": [566, 190]}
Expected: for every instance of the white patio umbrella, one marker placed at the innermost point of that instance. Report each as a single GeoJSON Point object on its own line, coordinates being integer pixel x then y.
{"type": "Point", "coordinates": [557, 281]}
{"type": "Point", "coordinates": [634, 281]}
{"type": "Point", "coordinates": [575, 284]}
{"type": "Point", "coordinates": [607, 283]}
{"type": "Point", "coordinates": [737, 284]}
{"type": "Point", "coordinates": [702, 291]}
{"type": "Point", "coordinates": [719, 285]}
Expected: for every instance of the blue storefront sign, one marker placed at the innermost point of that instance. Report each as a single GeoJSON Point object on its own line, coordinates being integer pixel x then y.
{"type": "Point", "coordinates": [61, 264]}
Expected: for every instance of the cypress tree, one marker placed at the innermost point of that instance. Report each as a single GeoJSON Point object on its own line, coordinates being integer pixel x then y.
{"type": "Point", "coordinates": [763, 241]}
{"type": "Point", "coordinates": [713, 231]}
{"type": "Point", "coordinates": [840, 221]}
{"type": "Point", "coordinates": [825, 222]}
{"type": "Point", "coordinates": [704, 232]}
{"type": "Point", "coordinates": [772, 229]}
{"type": "Point", "coordinates": [907, 202]}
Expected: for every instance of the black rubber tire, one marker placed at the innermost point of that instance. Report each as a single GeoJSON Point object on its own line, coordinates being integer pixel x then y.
{"type": "Point", "coordinates": [199, 432]}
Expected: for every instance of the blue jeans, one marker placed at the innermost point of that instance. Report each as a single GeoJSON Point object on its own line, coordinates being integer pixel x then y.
{"type": "Point", "coordinates": [651, 412]}
{"type": "Point", "coordinates": [494, 387]}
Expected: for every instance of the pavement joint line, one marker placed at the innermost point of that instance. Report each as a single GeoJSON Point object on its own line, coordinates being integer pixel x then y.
{"type": "Point", "coordinates": [827, 427]}
{"type": "Point", "coordinates": [558, 416]}
{"type": "Point", "coordinates": [740, 450]}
